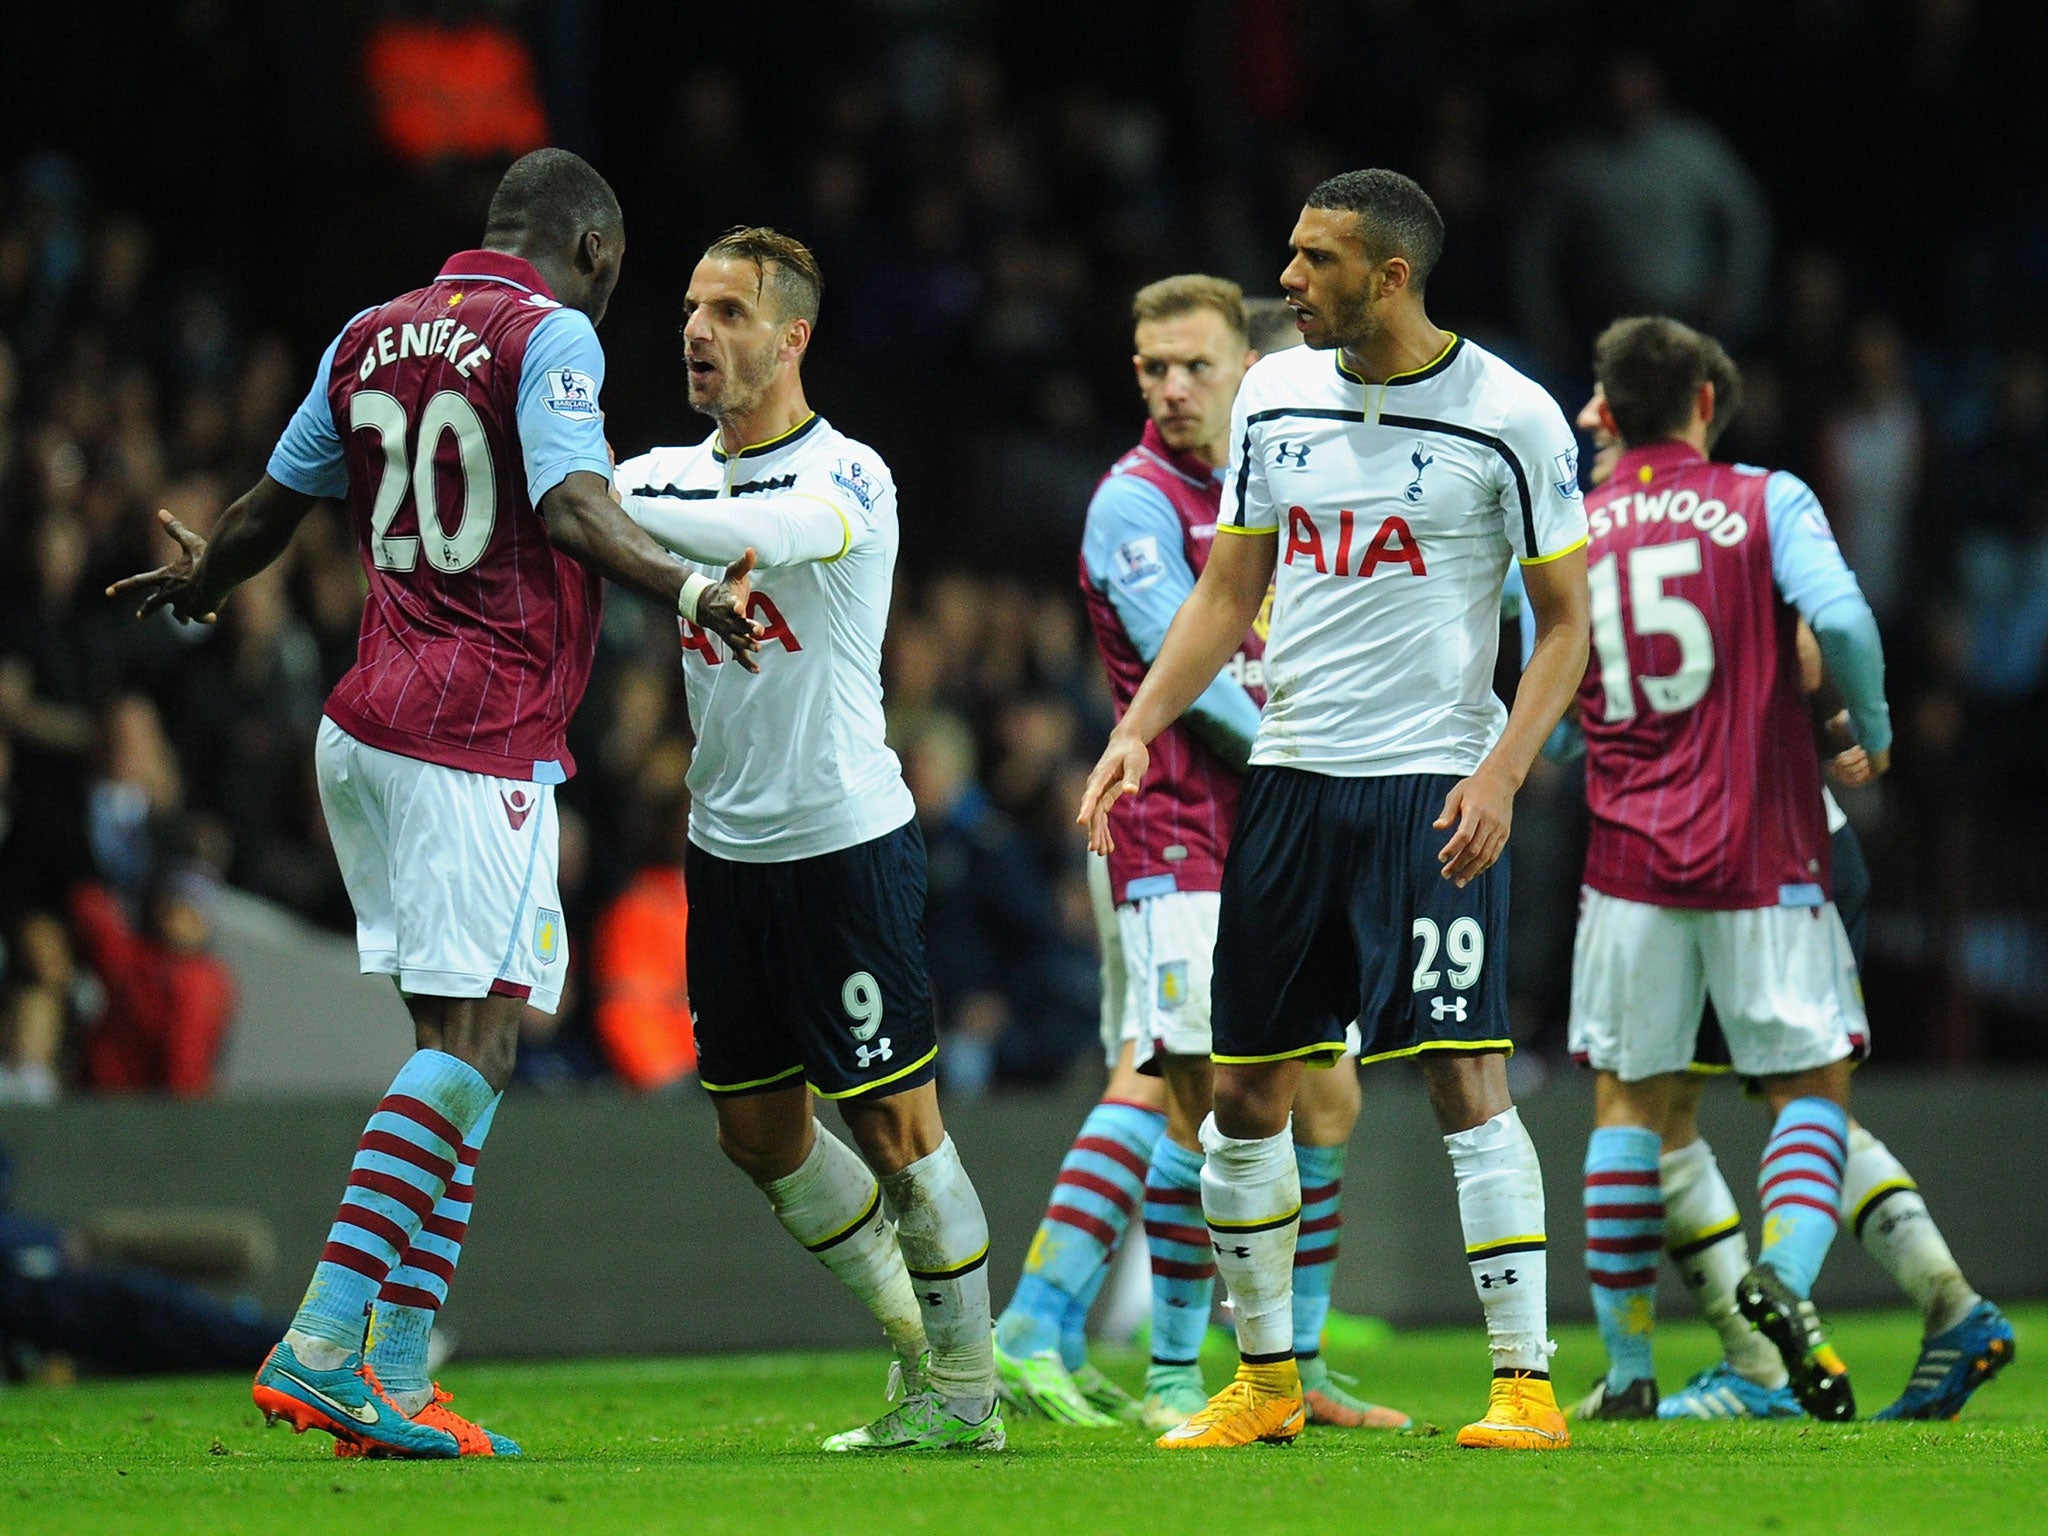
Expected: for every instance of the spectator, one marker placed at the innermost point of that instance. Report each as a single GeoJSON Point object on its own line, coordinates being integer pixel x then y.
{"type": "Point", "coordinates": [169, 1002]}
{"type": "Point", "coordinates": [1871, 449]}
{"type": "Point", "coordinates": [35, 1009]}
{"type": "Point", "coordinates": [1654, 214]}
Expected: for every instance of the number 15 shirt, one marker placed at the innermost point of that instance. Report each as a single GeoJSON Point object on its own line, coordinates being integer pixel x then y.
{"type": "Point", "coordinates": [1701, 770]}
{"type": "Point", "coordinates": [1398, 507]}
{"type": "Point", "coordinates": [443, 417]}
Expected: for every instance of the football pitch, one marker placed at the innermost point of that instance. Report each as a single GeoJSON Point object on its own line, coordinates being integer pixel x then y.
{"type": "Point", "coordinates": [729, 1445]}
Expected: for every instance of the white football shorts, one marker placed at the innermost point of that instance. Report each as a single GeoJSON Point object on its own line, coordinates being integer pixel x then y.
{"type": "Point", "coordinates": [452, 873]}
{"type": "Point", "coordinates": [1782, 979]}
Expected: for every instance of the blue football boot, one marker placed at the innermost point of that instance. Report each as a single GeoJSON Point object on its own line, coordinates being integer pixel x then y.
{"type": "Point", "coordinates": [1722, 1392]}
{"type": "Point", "coordinates": [1955, 1363]}
{"type": "Point", "coordinates": [347, 1402]}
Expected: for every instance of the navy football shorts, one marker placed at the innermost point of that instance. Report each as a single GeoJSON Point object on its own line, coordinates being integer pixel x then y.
{"type": "Point", "coordinates": [812, 970]}
{"type": "Point", "coordinates": [1335, 908]}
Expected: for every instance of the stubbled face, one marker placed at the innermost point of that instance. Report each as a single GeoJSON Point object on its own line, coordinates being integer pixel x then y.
{"type": "Point", "coordinates": [1189, 366]}
{"type": "Point", "coordinates": [1328, 281]}
{"type": "Point", "coordinates": [1606, 446]}
{"type": "Point", "coordinates": [733, 336]}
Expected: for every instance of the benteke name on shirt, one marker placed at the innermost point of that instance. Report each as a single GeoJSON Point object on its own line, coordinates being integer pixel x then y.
{"type": "Point", "coordinates": [445, 337]}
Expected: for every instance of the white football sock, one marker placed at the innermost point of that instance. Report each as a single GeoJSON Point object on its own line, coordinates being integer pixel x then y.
{"type": "Point", "coordinates": [1251, 1199]}
{"type": "Point", "coordinates": [1500, 1202]}
{"type": "Point", "coordinates": [944, 1237]}
{"type": "Point", "coordinates": [1703, 1235]}
{"type": "Point", "coordinates": [833, 1206]}
{"type": "Point", "coordinates": [1882, 1205]}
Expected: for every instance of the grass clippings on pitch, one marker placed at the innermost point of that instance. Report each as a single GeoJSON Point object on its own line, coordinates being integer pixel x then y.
{"type": "Point", "coordinates": [728, 1445]}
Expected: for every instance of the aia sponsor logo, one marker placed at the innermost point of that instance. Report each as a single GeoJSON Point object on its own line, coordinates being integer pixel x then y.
{"type": "Point", "coordinates": [1393, 544]}
{"type": "Point", "coordinates": [760, 608]}
{"type": "Point", "coordinates": [519, 805]}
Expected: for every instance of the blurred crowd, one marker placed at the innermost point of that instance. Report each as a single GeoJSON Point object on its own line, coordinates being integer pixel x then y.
{"type": "Point", "coordinates": [982, 219]}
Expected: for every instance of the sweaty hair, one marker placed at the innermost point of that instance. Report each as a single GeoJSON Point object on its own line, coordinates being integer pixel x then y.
{"type": "Point", "coordinates": [1174, 296]}
{"type": "Point", "coordinates": [553, 197]}
{"type": "Point", "coordinates": [1395, 217]}
{"type": "Point", "coordinates": [784, 264]}
{"type": "Point", "coordinates": [1271, 326]}
{"type": "Point", "coordinates": [1650, 367]}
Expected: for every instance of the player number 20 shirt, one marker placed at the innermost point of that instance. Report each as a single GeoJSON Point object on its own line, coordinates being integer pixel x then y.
{"type": "Point", "coordinates": [1398, 507]}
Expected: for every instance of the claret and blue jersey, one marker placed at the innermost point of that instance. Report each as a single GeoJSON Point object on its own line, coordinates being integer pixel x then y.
{"type": "Point", "coordinates": [443, 417]}
{"type": "Point", "coordinates": [1703, 780]}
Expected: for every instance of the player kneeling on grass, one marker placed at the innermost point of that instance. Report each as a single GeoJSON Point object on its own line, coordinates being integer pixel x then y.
{"type": "Point", "coordinates": [1408, 467]}
{"type": "Point", "coordinates": [1149, 529]}
{"type": "Point", "coordinates": [1968, 1340]}
{"type": "Point", "coordinates": [805, 867]}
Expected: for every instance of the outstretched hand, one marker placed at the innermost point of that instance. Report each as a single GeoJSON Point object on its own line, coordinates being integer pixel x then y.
{"type": "Point", "coordinates": [174, 586]}
{"type": "Point", "coordinates": [723, 610]}
{"type": "Point", "coordinates": [1120, 772]}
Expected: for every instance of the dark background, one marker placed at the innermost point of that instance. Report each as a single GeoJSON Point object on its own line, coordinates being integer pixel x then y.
{"type": "Point", "coordinates": [195, 196]}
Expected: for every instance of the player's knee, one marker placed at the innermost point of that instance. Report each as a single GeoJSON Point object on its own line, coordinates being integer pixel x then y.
{"type": "Point", "coordinates": [895, 1132]}
{"type": "Point", "coordinates": [1251, 1105]}
{"type": "Point", "coordinates": [763, 1153]}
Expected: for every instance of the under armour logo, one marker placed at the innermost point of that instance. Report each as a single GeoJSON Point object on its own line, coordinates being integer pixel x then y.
{"type": "Point", "coordinates": [1421, 462]}
{"type": "Point", "coordinates": [1293, 455]}
{"type": "Point", "coordinates": [934, 1299]}
{"type": "Point", "coordinates": [868, 1055]}
{"type": "Point", "coordinates": [1505, 1277]}
{"type": "Point", "coordinates": [1441, 1008]}
{"type": "Point", "coordinates": [1236, 1253]}
{"type": "Point", "coordinates": [518, 806]}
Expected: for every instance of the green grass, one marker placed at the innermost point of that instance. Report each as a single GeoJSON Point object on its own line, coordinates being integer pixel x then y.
{"type": "Point", "coordinates": [717, 1445]}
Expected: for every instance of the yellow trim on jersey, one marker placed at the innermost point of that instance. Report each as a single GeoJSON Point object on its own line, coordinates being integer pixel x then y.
{"type": "Point", "coordinates": [1333, 1048]}
{"type": "Point", "coordinates": [880, 1082]}
{"type": "Point", "coordinates": [1889, 1186]}
{"type": "Point", "coordinates": [1709, 1069]}
{"type": "Point", "coordinates": [766, 442]}
{"type": "Point", "coordinates": [1407, 373]}
{"type": "Point", "coordinates": [1247, 532]}
{"type": "Point", "coordinates": [759, 1082]}
{"type": "Point", "coordinates": [1506, 1047]}
{"type": "Point", "coordinates": [1569, 549]}
{"type": "Point", "coordinates": [845, 524]}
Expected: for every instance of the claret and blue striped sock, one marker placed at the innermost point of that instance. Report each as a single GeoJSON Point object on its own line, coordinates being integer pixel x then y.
{"type": "Point", "coordinates": [407, 1156]}
{"type": "Point", "coordinates": [1800, 1184]}
{"type": "Point", "coordinates": [1183, 1265]}
{"type": "Point", "coordinates": [1315, 1255]}
{"type": "Point", "coordinates": [1624, 1236]}
{"type": "Point", "coordinates": [402, 1317]}
{"type": "Point", "coordinates": [1099, 1186]}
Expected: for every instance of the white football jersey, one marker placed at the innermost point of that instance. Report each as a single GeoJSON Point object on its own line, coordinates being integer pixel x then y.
{"type": "Point", "coordinates": [792, 763]}
{"type": "Point", "coordinates": [1397, 506]}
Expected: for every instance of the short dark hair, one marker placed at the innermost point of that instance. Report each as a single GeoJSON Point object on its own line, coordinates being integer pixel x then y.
{"type": "Point", "coordinates": [785, 264]}
{"type": "Point", "coordinates": [1395, 216]}
{"type": "Point", "coordinates": [1650, 367]}
{"type": "Point", "coordinates": [1269, 325]}
{"type": "Point", "coordinates": [553, 197]}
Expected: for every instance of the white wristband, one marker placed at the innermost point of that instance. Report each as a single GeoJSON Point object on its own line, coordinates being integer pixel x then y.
{"type": "Point", "coordinates": [694, 588]}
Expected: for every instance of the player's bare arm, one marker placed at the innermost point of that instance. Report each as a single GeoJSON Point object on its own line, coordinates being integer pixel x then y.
{"type": "Point", "coordinates": [586, 524]}
{"type": "Point", "coordinates": [1205, 634]}
{"type": "Point", "coordinates": [1482, 808]}
{"type": "Point", "coordinates": [251, 533]}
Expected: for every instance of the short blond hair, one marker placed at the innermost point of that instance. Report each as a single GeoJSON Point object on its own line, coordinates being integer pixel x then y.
{"type": "Point", "coordinates": [785, 265]}
{"type": "Point", "coordinates": [1172, 296]}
